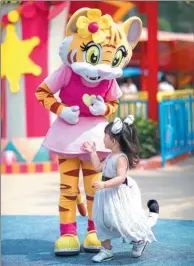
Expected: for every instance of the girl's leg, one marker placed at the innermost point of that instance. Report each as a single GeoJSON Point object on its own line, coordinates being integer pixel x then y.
{"type": "Point", "coordinates": [106, 244]}
{"type": "Point", "coordinates": [105, 253]}
{"type": "Point", "coordinates": [138, 248]}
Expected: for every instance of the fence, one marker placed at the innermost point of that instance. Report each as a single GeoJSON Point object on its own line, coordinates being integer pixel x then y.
{"type": "Point", "coordinates": [136, 105]}
{"type": "Point", "coordinates": [176, 119]}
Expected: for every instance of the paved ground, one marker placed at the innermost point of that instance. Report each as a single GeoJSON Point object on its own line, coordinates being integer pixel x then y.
{"type": "Point", "coordinates": [28, 241]}
{"type": "Point", "coordinates": [38, 194]}
{"type": "Point", "coordinates": [30, 219]}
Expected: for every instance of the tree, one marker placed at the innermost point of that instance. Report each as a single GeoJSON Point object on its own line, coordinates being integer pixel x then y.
{"type": "Point", "coordinates": [179, 15]}
{"type": "Point", "coordinates": [173, 16]}
{"type": "Point", "coordinates": [164, 24]}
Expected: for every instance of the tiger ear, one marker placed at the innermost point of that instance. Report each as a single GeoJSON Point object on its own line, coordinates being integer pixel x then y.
{"type": "Point", "coordinates": [71, 25]}
{"type": "Point", "coordinates": [133, 28]}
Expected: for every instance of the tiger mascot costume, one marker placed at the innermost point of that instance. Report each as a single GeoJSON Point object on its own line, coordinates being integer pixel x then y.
{"type": "Point", "coordinates": [93, 52]}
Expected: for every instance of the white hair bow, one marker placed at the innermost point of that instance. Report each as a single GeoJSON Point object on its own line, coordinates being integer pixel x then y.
{"type": "Point", "coordinates": [118, 123]}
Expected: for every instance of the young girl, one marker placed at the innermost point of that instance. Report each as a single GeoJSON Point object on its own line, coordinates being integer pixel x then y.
{"type": "Point", "coordinates": [117, 209]}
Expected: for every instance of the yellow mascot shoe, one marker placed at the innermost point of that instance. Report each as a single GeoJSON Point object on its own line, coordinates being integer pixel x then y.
{"type": "Point", "coordinates": [91, 242]}
{"type": "Point", "coordinates": [67, 245]}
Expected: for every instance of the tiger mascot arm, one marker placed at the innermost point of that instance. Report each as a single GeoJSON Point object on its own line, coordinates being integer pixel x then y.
{"type": "Point", "coordinates": [46, 97]}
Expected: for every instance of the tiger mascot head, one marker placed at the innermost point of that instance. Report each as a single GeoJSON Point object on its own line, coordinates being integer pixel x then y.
{"type": "Point", "coordinates": [95, 47]}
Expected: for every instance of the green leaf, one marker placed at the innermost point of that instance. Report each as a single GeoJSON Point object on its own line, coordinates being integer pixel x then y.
{"type": "Point", "coordinates": [148, 134]}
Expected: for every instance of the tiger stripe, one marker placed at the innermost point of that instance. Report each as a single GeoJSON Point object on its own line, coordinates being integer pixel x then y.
{"type": "Point", "coordinates": [61, 209]}
{"type": "Point", "coordinates": [89, 197]}
{"type": "Point", "coordinates": [47, 99]}
{"type": "Point", "coordinates": [70, 197]}
{"type": "Point", "coordinates": [89, 176]}
{"type": "Point", "coordinates": [87, 172]}
{"type": "Point", "coordinates": [70, 61]}
{"type": "Point", "coordinates": [110, 45]}
{"type": "Point", "coordinates": [69, 174]}
{"type": "Point", "coordinates": [73, 173]}
{"type": "Point", "coordinates": [61, 160]}
{"type": "Point", "coordinates": [111, 107]}
{"type": "Point", "coordinates": [64, 186]}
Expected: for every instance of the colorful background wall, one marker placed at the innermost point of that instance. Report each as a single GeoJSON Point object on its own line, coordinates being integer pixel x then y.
{"type": "Point", "coordinates": [31, 34]}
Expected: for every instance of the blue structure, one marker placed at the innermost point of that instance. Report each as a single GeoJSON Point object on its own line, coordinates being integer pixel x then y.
{"type": "Point", "coordinates": [136, 71]}
{"type": "Point", "coordinates": [176, 118]}
{"type": "Point", "coordinates": [42, 155]}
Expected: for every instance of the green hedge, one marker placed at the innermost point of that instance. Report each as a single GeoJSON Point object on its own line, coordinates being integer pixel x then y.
{"type": "Point", "coordinates": [148, 138]}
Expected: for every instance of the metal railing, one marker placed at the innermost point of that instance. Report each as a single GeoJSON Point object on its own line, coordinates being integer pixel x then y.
{"type": "Point", "coordinates": [179, 94]}
{"type": "Point", "coordinates": [176, 119]}
{"type": "Point", "coordinates": [136, 104]}
{"type": "Point", "coordinates": [139, 108]}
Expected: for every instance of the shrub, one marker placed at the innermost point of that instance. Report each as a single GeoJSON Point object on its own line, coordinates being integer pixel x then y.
{"type": "Point", "coordinates": [148, 138]}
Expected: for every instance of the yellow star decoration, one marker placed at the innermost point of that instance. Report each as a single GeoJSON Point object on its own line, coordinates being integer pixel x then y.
{"type": "Point", "coordinates": [15, 59]}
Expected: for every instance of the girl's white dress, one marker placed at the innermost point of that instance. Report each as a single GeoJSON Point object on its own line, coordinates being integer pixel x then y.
{"type": "Point", "coordinates": [118, 212]}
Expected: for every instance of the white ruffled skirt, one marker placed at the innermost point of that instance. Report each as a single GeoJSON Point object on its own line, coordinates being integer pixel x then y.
{"type": "Point", "coordinates": [118, 212]}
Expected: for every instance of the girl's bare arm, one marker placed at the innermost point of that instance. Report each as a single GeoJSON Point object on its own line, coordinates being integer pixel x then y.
{"type": "Point", "coordinates": [122, 166]}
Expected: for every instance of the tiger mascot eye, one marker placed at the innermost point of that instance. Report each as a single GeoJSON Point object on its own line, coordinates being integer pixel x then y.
{"type": "Point", "coordinates": [93, 52]}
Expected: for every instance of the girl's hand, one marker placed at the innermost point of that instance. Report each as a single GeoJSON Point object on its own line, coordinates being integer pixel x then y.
{"type": "Point", "coordinates": [98, 185]}
{"type": "Point", "coordinates": [86, 146]}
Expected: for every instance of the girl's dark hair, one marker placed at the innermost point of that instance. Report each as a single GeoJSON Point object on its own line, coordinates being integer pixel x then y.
{"type": "Point", "coordinates": [128, 141]}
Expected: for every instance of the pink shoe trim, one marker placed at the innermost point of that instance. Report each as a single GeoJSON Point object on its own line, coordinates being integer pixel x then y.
{"type": "Point", "coordinates": [68, 229]}
{"type": "Point", "coordinates": [91, 226]}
